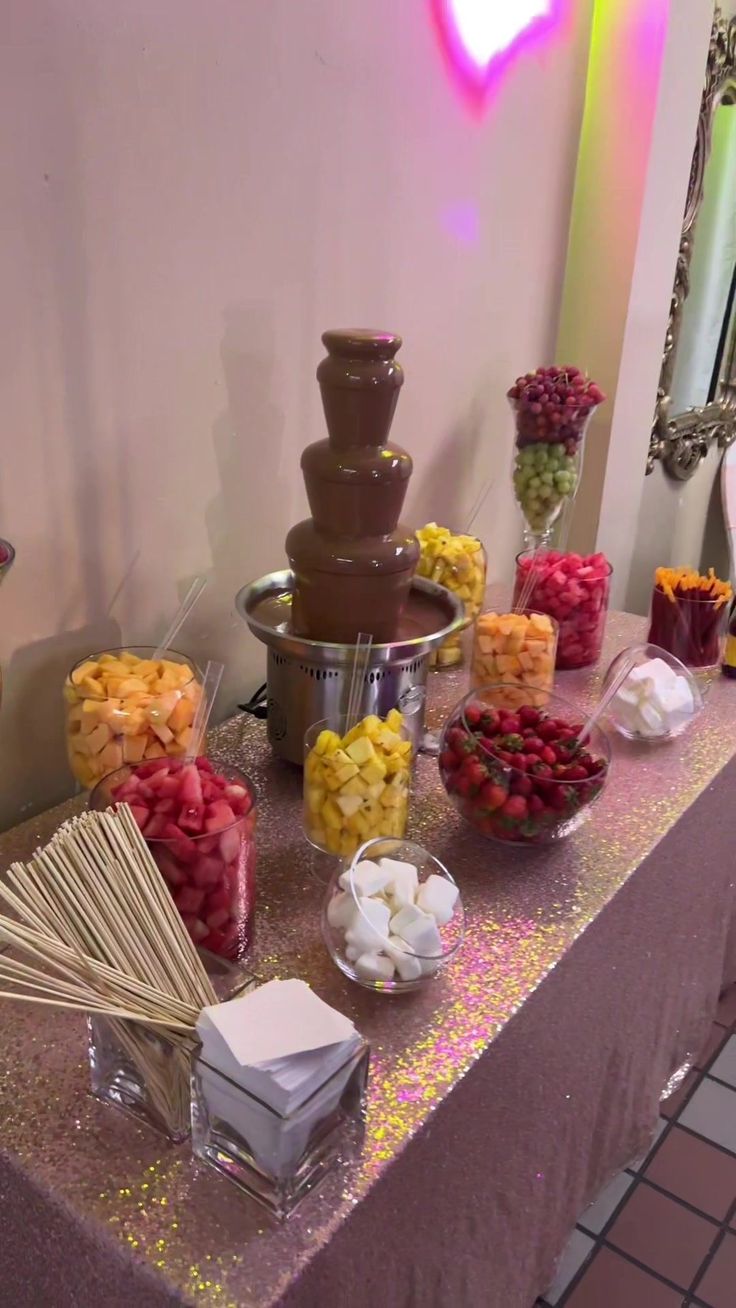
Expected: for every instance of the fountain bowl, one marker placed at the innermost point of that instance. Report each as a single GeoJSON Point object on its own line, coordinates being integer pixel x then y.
{"type": "Point", "coordinates": [308, 680]}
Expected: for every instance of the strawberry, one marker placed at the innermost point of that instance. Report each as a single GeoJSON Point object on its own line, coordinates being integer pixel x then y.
{"type": "Point", "coordinates": [515, 808]}
{"type": "Point", "coordinates": [492, 795]}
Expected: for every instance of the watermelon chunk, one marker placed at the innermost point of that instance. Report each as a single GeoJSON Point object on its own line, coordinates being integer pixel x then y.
{"type": "Point", "coordinates": [189, 899]}
{"type": "Point", "coordinates": [191, 818]}
{"type": "Point", "coordinates": [190, 785]}
{"type": "Point", "coordinates": [207, 871]}
{"type": "Point", "coordinates": [219, 816]}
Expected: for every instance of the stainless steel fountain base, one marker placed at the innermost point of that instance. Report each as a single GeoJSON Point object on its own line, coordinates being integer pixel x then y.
{"type": "Point", "coordinates": [308, 680]}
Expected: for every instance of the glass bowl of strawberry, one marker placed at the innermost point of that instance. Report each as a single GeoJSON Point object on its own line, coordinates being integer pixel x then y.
{"type": "Point", "coordinates": [199, 824]}
{"type": "Point", "coordinates": [521, 776]}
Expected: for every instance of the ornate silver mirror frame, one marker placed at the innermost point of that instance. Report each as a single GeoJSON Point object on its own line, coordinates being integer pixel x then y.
{"type": "Point", "coordinates": [682, 440]}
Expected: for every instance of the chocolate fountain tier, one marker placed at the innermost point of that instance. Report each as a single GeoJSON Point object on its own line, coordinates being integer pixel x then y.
{"type": "Point", "coordinates": [358, 495]}
{"type": "Point", "coordinates": [352, 561]}
{"type": "Point", "coordinates": [309, 680]}
{"type": "Point", "coordinates": [345, 586]}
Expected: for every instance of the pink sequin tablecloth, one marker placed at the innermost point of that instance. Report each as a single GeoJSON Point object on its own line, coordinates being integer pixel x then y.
{"type": "Point", "coordinates": [501, 1098]}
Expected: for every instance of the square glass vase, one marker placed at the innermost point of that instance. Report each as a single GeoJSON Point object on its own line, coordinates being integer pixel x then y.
{"type": "Point", "coordinates": [146, 1073]}
{"type": "Point", "coordinates": [278, 1159]}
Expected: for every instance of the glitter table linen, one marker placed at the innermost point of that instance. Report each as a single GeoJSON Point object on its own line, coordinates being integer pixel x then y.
{"type": "Point", "coordinates": [501, 1097]}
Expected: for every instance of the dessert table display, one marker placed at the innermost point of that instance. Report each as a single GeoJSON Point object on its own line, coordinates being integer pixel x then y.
{"type": "Point", "coordinates": [502, 1094]}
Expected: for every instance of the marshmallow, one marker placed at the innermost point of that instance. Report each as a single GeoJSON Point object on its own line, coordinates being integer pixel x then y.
{"type": "Point", "coordinates": [438, 897]}
{"type": "Point", "coordinates": [351, 953]}
{"type": "Point", "coordinates": [408, 967]}
{"type": "Point", "coordinates": [341, 911]}
{"type": "Point", "coordinates": [369, 928]}
{"type": "Point", "coordinates": [374, 967]}
{"type": "Point", "coordinates": [654, 700]}
{"type": "Point", "coordinates": [402, 883]}
{"type": "Point", "coordinates": [368, 878]}
{"type": "Point", "coordinates": [417, 929]}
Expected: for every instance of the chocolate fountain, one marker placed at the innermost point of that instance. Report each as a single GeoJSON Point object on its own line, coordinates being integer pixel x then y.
{"type": "Point", "coordinates": [352, 563]}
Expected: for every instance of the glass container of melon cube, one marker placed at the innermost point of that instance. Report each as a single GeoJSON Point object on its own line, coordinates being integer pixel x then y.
{"type": "Point", "coordinates": [356, 781]}
{"type": "Point", "coordinates": [125, 707]}
{"type": "Point", "coordinates": [393, 917]}
{"type": "Point", "coordinates": [518, 650]}
{"type": "Point", "coordinates": [199, 824]}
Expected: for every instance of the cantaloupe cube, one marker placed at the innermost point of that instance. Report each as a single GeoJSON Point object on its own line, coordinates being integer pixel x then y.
{"type": "Point", "coordinates": [154, 749]}
{"type": "Point", "coordinates": [134, 748]}
{"type": "Point", "coordinates": [97, 739]}
{"type": "Point", "coordinates": [111, 757]}
{"type": "Point", "coordinates": [164, 734]}
{"type": "Point", "coordinates": [89, 669]}
{"type": "Point", "coordinates": [185, 740]}
{"type": "Point", "coordinates": [131, 722]}
{"type": "Point", "coordinates": [182, 715]}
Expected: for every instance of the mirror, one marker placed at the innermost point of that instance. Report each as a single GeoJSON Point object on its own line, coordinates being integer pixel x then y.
{"type": "Point", "coordinates": [696, 399]}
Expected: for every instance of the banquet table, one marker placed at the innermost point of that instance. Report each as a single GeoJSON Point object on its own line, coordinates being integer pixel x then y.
{"type": "Point", "coordinates": [501, 1097]}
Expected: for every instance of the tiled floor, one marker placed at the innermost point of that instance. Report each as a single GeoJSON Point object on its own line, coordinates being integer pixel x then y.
{"type": "Point", "coordinates": [663, 1234]}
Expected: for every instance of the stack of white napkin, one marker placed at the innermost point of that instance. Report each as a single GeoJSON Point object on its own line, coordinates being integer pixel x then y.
{"type": "Point", "coordinates": [278, 1046]}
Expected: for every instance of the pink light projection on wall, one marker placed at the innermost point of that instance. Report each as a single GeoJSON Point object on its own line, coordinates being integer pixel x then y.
{"type": "Point", "coordinates": [479, 37]}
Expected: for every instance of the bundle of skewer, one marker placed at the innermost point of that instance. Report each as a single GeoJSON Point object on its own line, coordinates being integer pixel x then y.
{"type": "Point", "coordinates": [97, 931]}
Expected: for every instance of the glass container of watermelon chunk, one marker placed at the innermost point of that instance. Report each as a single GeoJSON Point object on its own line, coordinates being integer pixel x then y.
{"type": "Point", "coordinates": [199, 823]}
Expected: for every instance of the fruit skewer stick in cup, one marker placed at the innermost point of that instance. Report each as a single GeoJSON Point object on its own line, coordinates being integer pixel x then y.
{"type": "Point", "coordinates": [688, 615]}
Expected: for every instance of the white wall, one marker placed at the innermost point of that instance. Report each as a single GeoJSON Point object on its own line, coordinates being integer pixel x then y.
{"type": "Point", "coordinates": [648, 60]}
{"type": "Point", "coordinates": [193, 190]}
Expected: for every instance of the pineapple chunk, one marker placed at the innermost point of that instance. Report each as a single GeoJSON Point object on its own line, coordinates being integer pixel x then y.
{"type": "Point", "coordinates": [331, 815]}
{"type": "Point", "coordinates": [394, 720]}
{"type": "Point", "coordinates": [388, 739]}
{"type": "Point", "coordinates": [373, 771]}
{"type": "Point", "coordinates": [346, 773]}
{"type": "Point", "coordinates": [361, 751]}
{"type": "Point", "coordinates": [372, 726]}
{"type": "Point", "coordinates": [327, 742]}
{"type": "Point", "coordinates": [356, 786]}
{"type": "Point", "coordinates": [315, 799]}
{"type": "Point", "coordinates": [349, 804]}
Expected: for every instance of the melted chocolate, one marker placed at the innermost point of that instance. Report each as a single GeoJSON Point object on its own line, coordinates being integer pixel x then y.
{"type": "Point", "coordinates": [352, 560]}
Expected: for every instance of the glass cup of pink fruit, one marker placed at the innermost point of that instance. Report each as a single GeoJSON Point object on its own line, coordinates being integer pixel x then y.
{"type": "Point", "coordinates": [521, 777]}
{"type": "Point", "coordinates": [199, 823]}
{"type": "Point", "coordinates": [573, 589]}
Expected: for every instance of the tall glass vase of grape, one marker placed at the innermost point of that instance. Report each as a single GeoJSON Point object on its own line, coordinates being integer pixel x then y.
{"type": "Point", "coordinates": [552, 409]}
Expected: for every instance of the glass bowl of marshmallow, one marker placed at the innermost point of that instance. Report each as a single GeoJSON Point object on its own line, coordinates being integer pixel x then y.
{"type": "Point", "coordinates": [659, 697]}
{"type": "Point", "coordinates": [393, 916]}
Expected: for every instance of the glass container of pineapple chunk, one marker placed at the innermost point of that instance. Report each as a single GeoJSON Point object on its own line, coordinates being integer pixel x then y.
{"type": "Point", "coordinates": [457, 562]}
{"type": "Point", "coordinates": [356, 781]}
{"type": "Point", "coordinates": [124, 706]}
